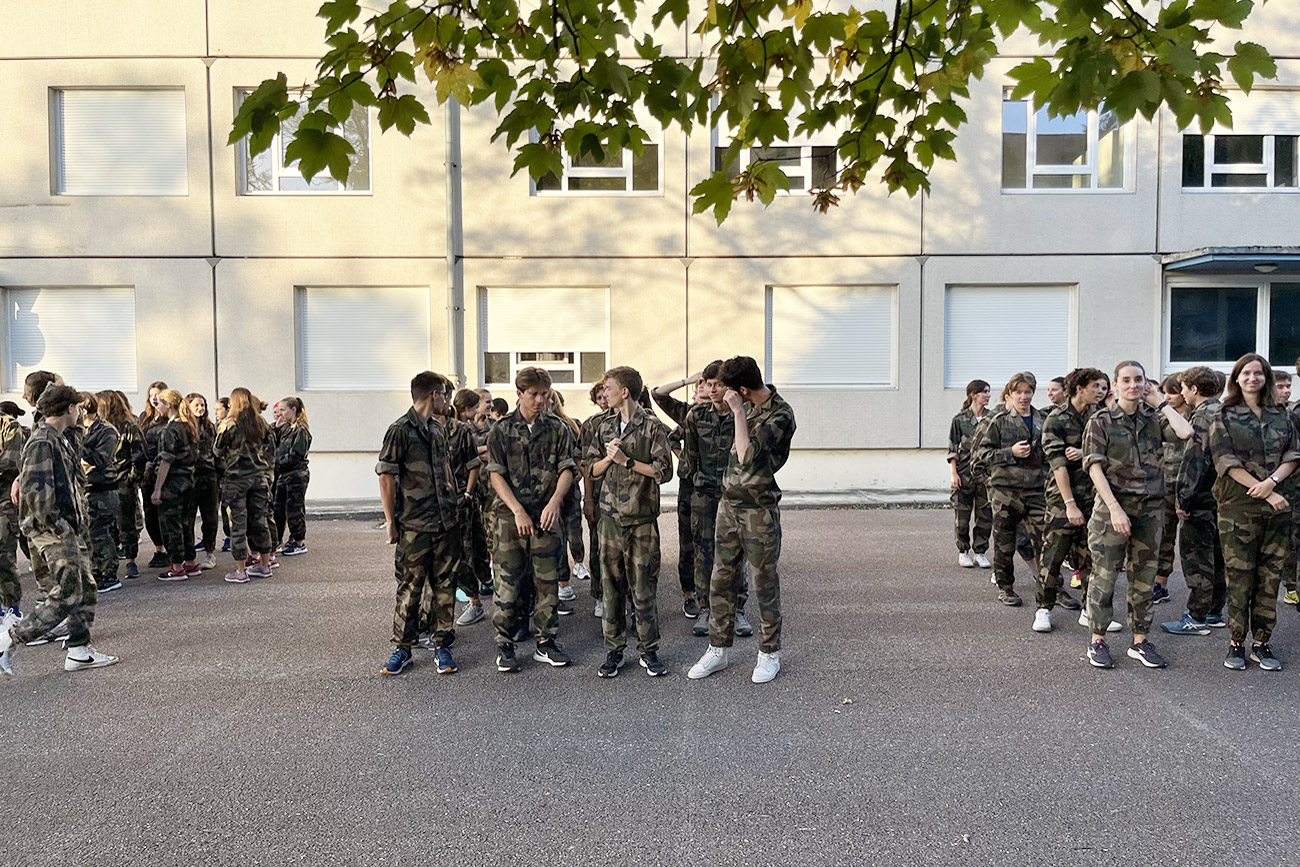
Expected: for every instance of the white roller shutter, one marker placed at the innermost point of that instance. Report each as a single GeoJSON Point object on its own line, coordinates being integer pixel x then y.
{"type": "Point", "coordinates": [362, 338]}
{"type": "Point", "coordinates": [1262, 112]}
{"type": "Point", "coordinates": [121, 143]}
{"type": "Point", "coordinates": [544, 319]}
{"type": "Point", "coordinates": [991, 332]}
{"type": "Point", "coordinates": [86, 335]}
{"type": "Point", "coordinates": [831, 335]}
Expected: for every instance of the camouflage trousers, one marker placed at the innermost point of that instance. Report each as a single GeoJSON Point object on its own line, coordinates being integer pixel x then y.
{"type": "Point", "coordinates": [469, 574]}
{"type": "Point", "coordinates": [704, 533]}
{"type": "Point", "coordinates": [243, 500]}
{"type": "Point", "coordinates": [129, 519]}
{"type": "Point", "coordinates": [750, 536]}
{"type": "Point", "coordinates": [1011, 508]}
{"type": "Point", "coordinates": [291, 505]}
{"type": "Point", "coordinates": [1291, 577]}
{"type": "Point", "coordinates": [1168, 536]}
{"type": "Point", "coordinates": [571, 524]}
{"type": "Point", "coordinates": [528, 568]}
{"type": "Point", "coordinates": [1109, 550]}
{"type": "Point", "coordinates": [1203, 566]}
{"type": "Point", "coordinates": [70, 591]}
{"type": "Point", "coordinates": [151, 525]}
{"type": "Point", "coordinates": [1060, 540]}
{"type": "Point", "coordinates": [686, 571]}
{"type": "Point", "coordinates": [630, 558]}
{"type": "Point", "coordinates": [1254, 555]}
{"type": "Point", "coordinates": [103, 535]}
{"type": "Point", "coordinates": [176, 517]}
{"type": "Point", "coordinates": [593, 546]}
{"type": "Point", "coordinates": [207, 505]}
{"type": "Point", "coordinates": [425, 567]}
{"type": "Point", "coordinates": [967, 503]}
{"type": "Point", "coordinates": [11, 591]}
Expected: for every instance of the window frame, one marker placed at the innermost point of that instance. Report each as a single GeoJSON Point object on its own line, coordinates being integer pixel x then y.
{"type": "Point", "coordinates": [894, 332]}
{"type": "Point", "coordinates": [1267, 168]}
{"type": "Point", "coordinates": [483, 348]}
{"type": "Point", "coordinates": [242, 158]}
{"type": "Point", "coordinates": [1263, 312]}
{"type": "Point", "coordinates": [721, 137]}
{"type": "Point", "coordinates": [1092, 169]}
{"type": "Point", "coordinates": [300, 291]}
{"type": "Point", "coordinates": [625, 171]}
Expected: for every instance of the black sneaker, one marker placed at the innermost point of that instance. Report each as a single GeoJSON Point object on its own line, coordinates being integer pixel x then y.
{"type": "Point", "coordinates": [653, 667]}
{"type": "Point", "coordinates": [132, 571]}
{"type": "Point", "coordinates": [506, 662]}
{"type": "Point", "coordinates": [1068, 602]}
{"type": "Point", "coordinates": [1099, 655]}
{"type": "Point", "coordinates": [1009, 598]}
{"type": "Point", "coordinates": [1145, 652]}
{"type": "Point", "coordinates": [564, 606]}
{"type": "Point", "coordinates": [613, 662]}
{"type": "Point", "coordinates": [159, 560]}
{"type": "Point", "coordinates": [1236, 658]}
{"type": "Point", "coordinates": [551, 654]}
{"type": "Point", "coordinates": [1159, 593]}
{"type": "Point", "coordinates": [1262, 654]}
{"type": "Point", "coordinates": [690, 608]}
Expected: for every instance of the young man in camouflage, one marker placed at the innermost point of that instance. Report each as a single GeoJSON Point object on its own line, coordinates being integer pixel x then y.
{"type": "Point", "coordinates": [676, 410]}
{"type": "Point", "coordinates": [53, 515]}
{"type": "Point", "coordinates": [99, 459]}
{"type": "Point", "coordinates": [530, 457]}
{"type": "Point", "coordinates": [749, 519]}
{"type": "Point", "coordinates": [12, 438]}
{"type": "Point", "coordinates": [591, 494]}
{"type": "Point", "coordinates": [1199, 547]}
{"type": "Point", "coordinates": [419, 498]}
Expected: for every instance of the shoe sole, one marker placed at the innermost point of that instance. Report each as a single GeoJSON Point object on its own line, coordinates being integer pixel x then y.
{"type": "Point", "coordinates": [394, 673]}
{"type": "Point", "coordinates": [652, 673]}
{"type": "Point", "coordinates": [700, 633]}
{"type": "Point", "coordinates": [1095, 664]}
{"type": "Point", "coordinates": [451, 670]}
{"type": "Point", "coordinates": [1133, 654]}
{"type": "Point", "coordinates": [1198, 631]}
{"type": "Point", "coordinates": [538, 657]}
{"type": "Point", "coordinates": [689, 616]}
{"type": "Point", "coordinates": [478, 619]}
{"type": "Point", "coordinates": [1232, 666]}
{"type": "Point", "coordinates": [755, 678]}
{"type": "Point", "coordinates": [294, 553]}
{"type": "Point", "coordinates": [85, 666]}
{"type": "Point", "coordinates": [508, 669]}
{"type": "Point", "coordinates": [171, 578]}
{"type": "Point", "coordinates": [562, 613]}
{"type": "Point", "coordinates": [1262, 667]}
{"type": "Point", "coordinates": [608, 675]}
{"type": "Point", "coordinates": [1012, 603]}
{"type": "Point", "coordinates": [110, 588]}
{"type": "Point", "coordinates": [1043, 629]}
{"type": "Point", "coordinates": [694, 674]}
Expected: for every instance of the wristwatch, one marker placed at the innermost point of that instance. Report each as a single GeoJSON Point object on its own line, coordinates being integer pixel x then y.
{"type": "Point", "coordinates": [629, 463]}
{"type": "Point", "coordinates": [1275, 480]}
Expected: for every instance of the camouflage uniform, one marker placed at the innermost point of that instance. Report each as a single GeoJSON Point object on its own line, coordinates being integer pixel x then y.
{"type": "Point", "coordinates": [629, 528]}
{"type": "Point", "coordinates": [532, 463]}
{"type": "Point", "coordinates": [586, 431]}
{"type": "Point", "coordinates": [1015, 488]}
{"type": "Point", "coordinates": [179, 450]}
{"type": "Point", "coordinates": [480, 549]}
{"type": "Point", "coordinates": [52, 512]}
{"type": "Point", "coordinates": [12, 438]}
{"type": "Point", "coordinates": [1199, 542]}
{"type": "Point", "coordinates": [676, 410]}
{"type": "Point", "coordinates": [207, 487]}
{"type": "Point", "coordinates": [972, 497]}
{"type": "Point", "coordinates": [571, 513]}
{"type": "Point", "coordinates": [291, 479]}
{"type": "Point", "coordinates": [462, 454]}
{"type": "Point", "coordinates": [428, 545]}
{"type": "Point", "coordinates": [749, 525]}
{"type": "Point", "coordinates": [129, 461]}
{"type": "Point", "coordinates": [272, 445]}
{"type": "Point", "coordinates": [243, 488]}
{"type": "Point", "coordinates": [1130, 451]}
{"type": "Point", "coordinates": [1063, 429]}
{"type": "Point", "coordinates": [98, 459]}
{"type": "Point", "coordinates": [1254, 537]}
{"type": "Point", "coordinates": [1171, 461]}
{"type": "Point", "coordinates": [706, 446]}
{"type": "Point", "coordinates": [1291, 577]}
{"type": "Point", "coordinates": [152, 435]}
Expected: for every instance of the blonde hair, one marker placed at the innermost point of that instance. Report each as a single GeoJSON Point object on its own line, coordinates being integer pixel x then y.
{"type": "Point", "coordinates": [172, 398]}
{"type": "Point", "coordinates": [299, 411]}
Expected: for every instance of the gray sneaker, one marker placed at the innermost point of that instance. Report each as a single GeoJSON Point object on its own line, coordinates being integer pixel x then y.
{"type": "Point", "coordinates": [701, 627]}
{"type": "Point", "coordinates": [743, 629]}
{"type": "Point", "coordinates": [472, 613]}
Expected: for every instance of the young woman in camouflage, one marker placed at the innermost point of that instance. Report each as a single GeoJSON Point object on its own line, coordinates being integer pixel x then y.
{"type": "Point", "coordinates": [98, 459]}
{"type": "Point", "coordinates": [207, 487]}
{"type": "Point", "coordinates": [12, 438]}
{"type": "Point", "coordinates": [173, 490]}
{"type": "Point", "coordinates": [1172, 460]}
{"type": "Point", "coordinates": [292, 476]}
{"type": "Point", "coordinates": [129, 462]}
{"type": "Point", "coordinates": [1255, 447]}
{"type": "Point", "coordinates": [970, 496]}
{"type": "Point", "coordinates": [591, 493]}
{"type": "Point", "coordinates": [244, 446]}
{"type": "Point", "coordinates": [151, 424]}
{"type": "Point", "coordinates": [1123, 446]}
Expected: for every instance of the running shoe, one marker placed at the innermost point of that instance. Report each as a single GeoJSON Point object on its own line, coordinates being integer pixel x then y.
{"type": "Point", "coordinates": [551, 654]}
{"type": "Point", "coordinates": [1099, 655]}
{"type": "Point", "coordinates": [472, 614]}
{"type": "Point", "coordinates": [613, 662]}
{"type": "Point", "coordinates": [1290, 597]}
{"type": "Point", "coordinates": [258, 571]}
{"type": "Point", "coordinates": [690, 608]}
{"type": "Point", "coordinates": [964, 560]}
{"type": "Point", "coordinates": [743, 629]}
{"type": "Point", "coordinates": [653, 667]}
{"type": "Point", "coordinates": [1159, 593]}
{"type": "Point", "coordinates": [293, 549]}
{"type": "Point", "coordinates": [174, 574]}
{"type": "Point", "coordinates": [1262, 655]}
{"type": "Point", "coordinates": [239, 576]}
{"type": "Point", "coordinates": [506, 661]}
{"type": "Point", "coordinates": [132, 571]}
{"type": "Point", "coordinates": [1236, 658]}
{"type": "Point", "coordinates": [81, 658]}
{"type": "Point", "coordinates": [159, 559]}
{"type": "Point", "coordinates": [446, 665]}
{"type": "Point", "coordinates": [108, 585]}
{"type": "Point", "coordinates": [398, 662]}
{"type": "Point", "coordinates": [581, 572]}
{"type": "Point", "coordinates": [1185, 625]}
{"type": "Point", "coordinates": [1145, 652]}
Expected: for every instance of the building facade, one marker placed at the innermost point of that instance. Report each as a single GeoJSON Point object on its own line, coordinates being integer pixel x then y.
{"type": "Point", "coordinates": [136, 245]}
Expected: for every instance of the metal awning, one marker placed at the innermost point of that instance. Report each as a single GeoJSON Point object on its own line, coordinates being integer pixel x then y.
{"type": "Point", "coordinates": [1234, 260]}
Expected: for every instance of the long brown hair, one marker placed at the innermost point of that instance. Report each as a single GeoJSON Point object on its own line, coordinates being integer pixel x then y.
{"type": "Point", "coordinates": [205, 420]}
{"type": "Point", "coordinates": [244, 415]}
{"type": "Point", "coordinates": [299, 411]}
{"type": "Point", "coordinates": [149, 416]}
{"type": "Point", "coordinates": [974, 387]}
{"type": "Point", "coordinates": [114, 409]}
{"type": "Point", "coordinates": [555, 405]}
{"type": "Point", "coordinates": [1233, 395]}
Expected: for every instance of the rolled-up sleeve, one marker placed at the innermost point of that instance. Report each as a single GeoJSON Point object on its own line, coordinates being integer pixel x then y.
{"type": "Point", "coordinates": [390, 455]}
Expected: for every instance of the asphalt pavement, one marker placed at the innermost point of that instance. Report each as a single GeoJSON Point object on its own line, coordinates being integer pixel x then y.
{"type": "Point", "coordinates": [915, 721]}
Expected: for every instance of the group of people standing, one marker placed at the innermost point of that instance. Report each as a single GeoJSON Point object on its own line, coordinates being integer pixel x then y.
{"type": "Point", "coordinates": [460, 488]}
{"type": "Point", "coordinates": [79, 485]}
{"type": "Point", "coordinates": [1102, 481]}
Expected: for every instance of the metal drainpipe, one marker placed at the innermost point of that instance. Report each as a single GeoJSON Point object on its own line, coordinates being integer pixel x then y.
{"type": "Point", "coordinates": [455, 247]}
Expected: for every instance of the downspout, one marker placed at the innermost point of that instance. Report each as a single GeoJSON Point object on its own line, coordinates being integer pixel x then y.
{"type": "Point", "coordinates": [455, 247]}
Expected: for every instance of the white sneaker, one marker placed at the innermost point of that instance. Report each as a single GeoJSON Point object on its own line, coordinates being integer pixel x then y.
{"type": "Point", "coordinates": [581, 572]}
{"type": "Point", "coordinates": [713, 661]}
{"type": "Point", "coordinates": [566, 593]}
{"type": "Point", "coordinates": [600, 610]}
{"type": "Point", "coordinates": [208, 562]}
{"type": "Point", "coordinates": [964, 560]}
{"type": "Point", "coordinates": [983, 562]}
{"type": "Point", "coordinates": [767, 666]}
{"type": "Point", "coordinates": [6, 641]}
{"type": "Point", "coordinates": [92, 659]}
{"type": "Point", "coordinates": [1042, 620]}
{"type": "Point", "coordinates": [1115, 625]}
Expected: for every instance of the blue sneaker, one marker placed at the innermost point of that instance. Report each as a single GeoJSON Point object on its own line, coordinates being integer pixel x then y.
{"type": "Point", "coordinates": [293, 548]}
{"type": "Point", "coordinates": [1159, 593]}
{"type": "Point", "coordinates": [225, 544]}
{"type": "Point", "coordinates": [398, 662]}
{"type": "Point", "coordinates": [1185, 625]}
{"type": "Point", "coordinates": [1216, 621]}
{"type": "Point", "coordinates": [446, 665]}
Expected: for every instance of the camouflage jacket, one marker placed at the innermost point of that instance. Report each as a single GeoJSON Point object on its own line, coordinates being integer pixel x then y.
{"type": "Point", "coordinates": [676, 410]}
{"type": "Point", "coordinates": [752, 484]}
{"type": "Point", "coordinates": [205, 462]}
{"type": "Point", "coordinates": [531, 462]}
{"type": "Point", "coordinates": [1258, 445]}
{"type": "Point", "coordinates": [1172, 458]}
{"type": "Point", "coordinates": [462, 453]}
{"type": "Point", "coordinates": [178, 449]}
{"type": "Point", "coordinates": [626, 496]}
{"type": "Point", "coordinates": [417, 454]}
{"type": "Point", "coordinates": [1063, 428]}
{"type": "Point", "coordinates": [12, 438]}
{"type": "Point", "coordinates": [706, 446]}
{"type": "Point", "coordinates": [99, 456]}
{"type": "Point", "coordinates": [51, 496]}
{"type": "Point", "coordinates": [997, 433]}
{"type": "Point", "coordinates": [291, 447]}
{"type": "Point", "coordinates": [1130, 449]}
{"type": "Point", "coordinates": [129, 457]}
{"type": "Point", "coordinates": [152, 434]}
{"type": "Point", "coordinates": [673, 408]}
{"type": "Point", "coordinates": [238, 458]}
{"type": "Point", "coordinates": [1194, 484]}
{"type": "Point", "coordinates": [586, 431]}
{"type": "Point", "coordinates": [961, 440]}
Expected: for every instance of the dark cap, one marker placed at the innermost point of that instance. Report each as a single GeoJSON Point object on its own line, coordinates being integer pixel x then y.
{"type": "Point", "coordinates": [8, 407]}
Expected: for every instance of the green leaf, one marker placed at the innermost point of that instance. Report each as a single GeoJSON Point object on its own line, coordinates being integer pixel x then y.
{"type": "Point", "coordinates": [320, 150]}
{"type": "Point", "coordinates": [717, 192]}
{"type": "Point", "coordinates": [402, 112]}
{"type": "Point", "coordinates": [339, 12]}
{"type": "Point", "coordinates": [1251, 59]}
{"type": "Point", "coordinates": [261, 113]}
{"type": "Point", "coordinates": [539, 160]}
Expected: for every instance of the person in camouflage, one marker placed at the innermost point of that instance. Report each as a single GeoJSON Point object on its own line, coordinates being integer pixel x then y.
{"type": "Point", "coordinates": [151, 424]}
{"type": "Point", "coordinates": [591, 492]}
{"type": "Point", "coordinates": [292, 476]}
{"type": "Point", "coordinates": [749, 518]}
{"type": "Point", "coordinates": [1122, 451]}
{"type": "Point", "coordinates": [676, 410]}
{"type": "Point", "coordinates": [1291, 578]}
{"type": "Point", "coordinates": [466, 466]}
{"type": "Point", "coordinates": [1255, 448]}
{"type": "Point", "coordinates": [629, 452]}
{"type": "Point", "coordinates": [1198, 544]}
{"type": "Point", "coordinates": [419, 496]}
{"type": "Point", "coordinates": [570, 513]}
{"type": "Point", "coordinates": [969, 495]}
{"type": "Point", "coordinates": [98, 460]}
{"type": "Point", "coordinates": [52, 513]}
{"type": "Point", "coordinates": [530, 457]}
{"type": "Point", "coordinates": [173, 491]}
{"type": "Point", "coordinates": [244, 446]}
{"type": "Point", "coordinates": [13, 436]}
{"type": "Point", "coordinates": [207, 481]}
{"type": "Point", "coordinates": [1069, 492]}
{"type": "Point", "coordinates": [129, 468]}
{"type": "Point", "coordinates": [1009, 445]}
{"type": "Point", "coordinates": [1171, 462]}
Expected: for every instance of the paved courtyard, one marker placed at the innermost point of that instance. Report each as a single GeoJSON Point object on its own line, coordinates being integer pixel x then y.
{"type": "Point", "coordinates": [915, 722]}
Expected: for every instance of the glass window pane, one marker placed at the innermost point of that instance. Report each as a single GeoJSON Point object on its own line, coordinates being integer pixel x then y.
{"type": "Point", "coordinates": [619, 184]}
{"type": "Point", "coordinates": [1062, 141]}
{"type": "Point", "coordinates": [823, 167]}
{"type": "Point", "coordinates": [1062, 182]}
{"type": "Point", "coordinates": [1229, 149]}
{"type": "Point", "coordinates": [1284, 326]}
{"type": "Point", "coordinates": [1285, 169]}
{"type": "Point", "coordinates": [1013, 160]}
{"type": "Point", "coordinates": [357, 132]}
{"type": "Point", "coordinates": [593, 366]}
{"type": "Point", "coordinates": [1110, 152]}
{"type": "Point", "coordinates": [546, 357]}
{"type": "Point", "coordinates": [1015, 116]}
{"type": "Point", "coordinates": [1221, 180]}
{"type": "Point", "coordinates": [257, 172]}
{"type": "Point", "coordinates": [733, 168]}
{"type": "Point", "coordinates": [1193, 161]}
{"type": "Point", "coordinates": [1211, 323]}
{"type": "Point", "coordinates": [561, 375]}
{"type": "Point", "coordinates": [785, 157]}
{"type": "Point", "coordinates": [645, 169]}
{"type": "Point", "coordinates": [548, 182]}
{"type": "Point", "coordinates": [613, 159]}
{"type": "Point", "coordinates": [496, 367]}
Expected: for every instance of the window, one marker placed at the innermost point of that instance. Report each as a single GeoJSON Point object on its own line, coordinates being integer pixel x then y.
{"type": "Point", "coordinates": [1090, 150]}
{"type": "Point", "coordinates": [119, 142]}
{"type": "Point", "coordinates": [267, 173]}
{"type": "Point", "coordinates": [807, 166]}
{"type": "Point", "coordinates": [619, 173]}
{"type": "Point", "coordinates": [564, 330]}
{"type": "Point", "coordinates": [991, 332]}
{"type": "Point", "coordinates": [1216, 322]}
{"type": "Point", "coordinates": [85, 334]}
{"type": "Point", "coordinates": [1240, 161]}
{"type": "Point", "coordinates": [831, 335]}
{"type": "Point", "coordinates": [362, 338]}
